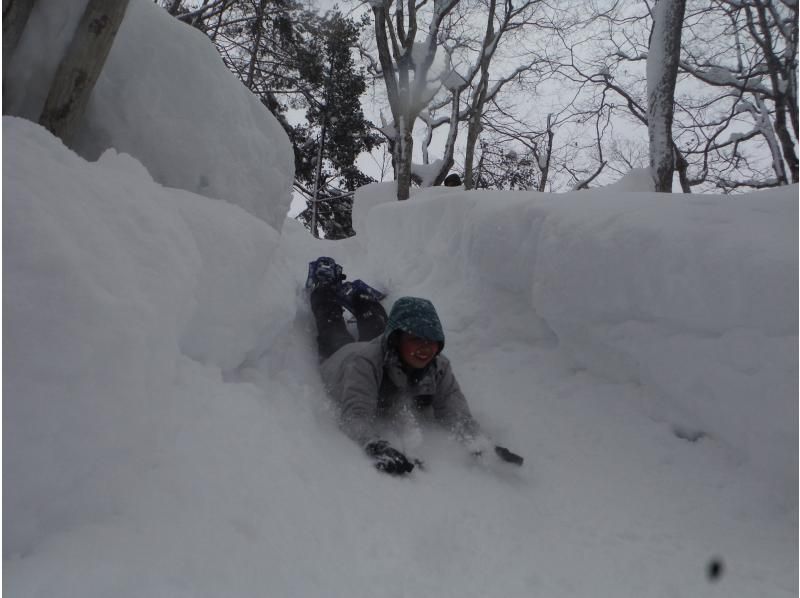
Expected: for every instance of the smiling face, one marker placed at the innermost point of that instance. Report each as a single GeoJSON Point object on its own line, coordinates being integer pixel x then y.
{"type": "Point", "coordinates": [417, 352]}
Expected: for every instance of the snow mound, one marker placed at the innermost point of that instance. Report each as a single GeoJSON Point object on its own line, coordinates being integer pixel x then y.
{"type": "Point", "coordinates": [208, 134]}
{"type": "Point", "coordinates": [116, 282]}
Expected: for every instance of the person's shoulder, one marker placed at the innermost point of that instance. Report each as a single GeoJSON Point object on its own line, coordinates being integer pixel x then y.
{"type": "Point", "coordinates": [443, 366]}
{"type": "Point", "coordinates": [361, 353]}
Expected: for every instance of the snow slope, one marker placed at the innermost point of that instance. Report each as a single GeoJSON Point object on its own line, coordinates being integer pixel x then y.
{"type": "Point", "coordinates": [166, 433]}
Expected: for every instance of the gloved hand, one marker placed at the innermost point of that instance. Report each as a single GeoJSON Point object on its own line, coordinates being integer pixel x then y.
{"type": "Point", "coordinates": [388, 459]}
{"type": "Point", "coordinates": [507, 456]}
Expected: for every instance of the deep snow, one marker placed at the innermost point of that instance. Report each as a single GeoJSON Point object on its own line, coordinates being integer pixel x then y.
{"type": "Point", "coordinates": [166, 433]}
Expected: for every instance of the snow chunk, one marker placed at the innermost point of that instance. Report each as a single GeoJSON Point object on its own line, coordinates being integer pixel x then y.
{"type": "Point", "coordinates": [427, 172]}
{"type": "Point", "coordinates": [718, 75]}
{"type": "Point", "coordinates": [637, 179]}
{"type": "Point", "coordinates": [453, 80]}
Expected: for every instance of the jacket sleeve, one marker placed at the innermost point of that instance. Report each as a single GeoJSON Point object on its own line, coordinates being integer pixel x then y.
{"type": "Point", "coordinates": [450, 407]}
{"type": "Point", "coordinates": [358, 401]}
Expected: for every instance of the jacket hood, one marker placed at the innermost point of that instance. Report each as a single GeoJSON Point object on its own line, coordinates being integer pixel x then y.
{"type": "Point", "coordinates": [416, 316]}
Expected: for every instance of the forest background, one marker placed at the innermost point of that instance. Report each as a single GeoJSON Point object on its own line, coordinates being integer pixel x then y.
{"type": "Point", "coordinates": [528, 94]}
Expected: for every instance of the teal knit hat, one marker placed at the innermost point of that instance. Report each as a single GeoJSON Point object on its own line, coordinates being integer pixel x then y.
{"type": "Point", "coordinates": [416, 316]}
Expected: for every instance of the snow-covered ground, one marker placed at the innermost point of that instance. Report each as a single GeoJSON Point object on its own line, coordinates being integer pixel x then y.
{"type": "Point", "coordinates": [166, 432]}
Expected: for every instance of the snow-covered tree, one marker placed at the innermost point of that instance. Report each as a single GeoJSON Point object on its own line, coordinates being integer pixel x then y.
{"type": "Point", "coordinates": [495, 49]}
{"type": "Point", "coordinates": [80, 67]}
{"type": "Point", "coordinates": [505, 169]}
{"type": "Point", "coordinates": [735, 110]}
{"type": "Point", "coordinates": [291, 57]}
{"type": "Point", "coordinates": [410, 70]}
{"type": "Point", "coordinates": [751, 58]}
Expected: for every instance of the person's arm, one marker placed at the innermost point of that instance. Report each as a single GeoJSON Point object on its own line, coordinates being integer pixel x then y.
{"type": "Point", "coordinates": [450, 407]}
{"type": "Point", "coordinates": [451, 410]}
{"type": "Point", "coordinates": [358, 400]}
{"type": "Point", "coordinates": [358, 414]}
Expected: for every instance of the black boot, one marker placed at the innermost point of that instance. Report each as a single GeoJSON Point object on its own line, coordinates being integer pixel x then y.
{"type": "Point", "coordinates": [371, 318]}
{"type": "Point", "coordinates": [332, 333]}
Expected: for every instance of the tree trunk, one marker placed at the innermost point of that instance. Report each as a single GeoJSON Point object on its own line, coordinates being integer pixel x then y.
{"type": "Point", "coordinates": [479, 98]}
{"type": "Point", "coordinates": [15, 17]}
{"type": "Point", "coordinates": [780, 98]}
{"type": "Point", "coordinates": [317, 179]}
{"type": "Point", "coordinates": [251, 68]}
{"type": "Point", "coordinates": [452, 135]}
{"type": "Point", "coordinates": [80, 67]}
{"type": "Point", "coordinates": [662, 73]}
{"type": "Point", "coordinates": [473, 130]}
{"type": "Point", "coordinates": [682, 166]}
{"type": "Point", "coordinates": [545, 168]}
{"type": "Point", "coordinates": [396, 51]}
{"type": "Point", "coordinates": [385, 57]}
{"type": "Point", "coordinates": [404, 148]}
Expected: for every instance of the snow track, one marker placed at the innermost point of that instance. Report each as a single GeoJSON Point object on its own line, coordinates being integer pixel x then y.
{"type": "Point", "coordinates": [610, 502]}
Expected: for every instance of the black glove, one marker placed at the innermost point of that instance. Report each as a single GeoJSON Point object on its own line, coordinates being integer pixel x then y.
{"type": "Point", "coordinates": [388, 459]}
{"type": "Point", "coordinates": [507, 456]}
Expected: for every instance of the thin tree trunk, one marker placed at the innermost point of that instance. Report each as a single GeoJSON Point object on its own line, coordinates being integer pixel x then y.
{"type": "Point", "coordinates": [780, 98]}
{"type": "Point", "coordinates": [317, 179]}
{"type": "Point", "coordinates": [251, 68]}
{"type": "Point", "coordinates": [479, 99]}
{"type": "Point", "coordinates": [404, 147]}
{"type": "Point", "coordinates": [682, 166]}
{"type": "Point", "coordinates": [452, 135]}
{"type": "Point", "coordinates": [473, 130]}
{"type": "Point", "coordinates": [77, 74]}
{"type": "Point", "coordinates": [662, 73]}
{"type": "Point", "coordinates": [546, 167]}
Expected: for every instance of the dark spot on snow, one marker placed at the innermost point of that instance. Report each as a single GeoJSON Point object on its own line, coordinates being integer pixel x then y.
{"type": "Point", "coordinates": [688, 434]}
{"type": "Point", "coordinates": [715, 569]}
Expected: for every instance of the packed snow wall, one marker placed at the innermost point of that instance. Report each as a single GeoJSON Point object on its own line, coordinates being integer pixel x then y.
{"type": "Point", "coordinates": [114, 284]}
{"type": "Point", "coordinates": [165, 97]}
{"type": "Point", "coordinates": [693, 296]}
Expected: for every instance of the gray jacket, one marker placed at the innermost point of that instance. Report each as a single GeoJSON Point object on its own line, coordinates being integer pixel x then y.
{"type": "Point", "coordinates": [367, 384]}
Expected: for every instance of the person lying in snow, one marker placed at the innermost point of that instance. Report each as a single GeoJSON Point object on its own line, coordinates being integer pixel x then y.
{"type": "Point", "coordinates": [397, 359]}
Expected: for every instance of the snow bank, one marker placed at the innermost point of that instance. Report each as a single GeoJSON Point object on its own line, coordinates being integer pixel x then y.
{"type": "Point", "coordinates": [693, 296]}
{"type": "Point", "coordinates": [112, 282]}
{"type": "Point", "coordinates": [164, 97]}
